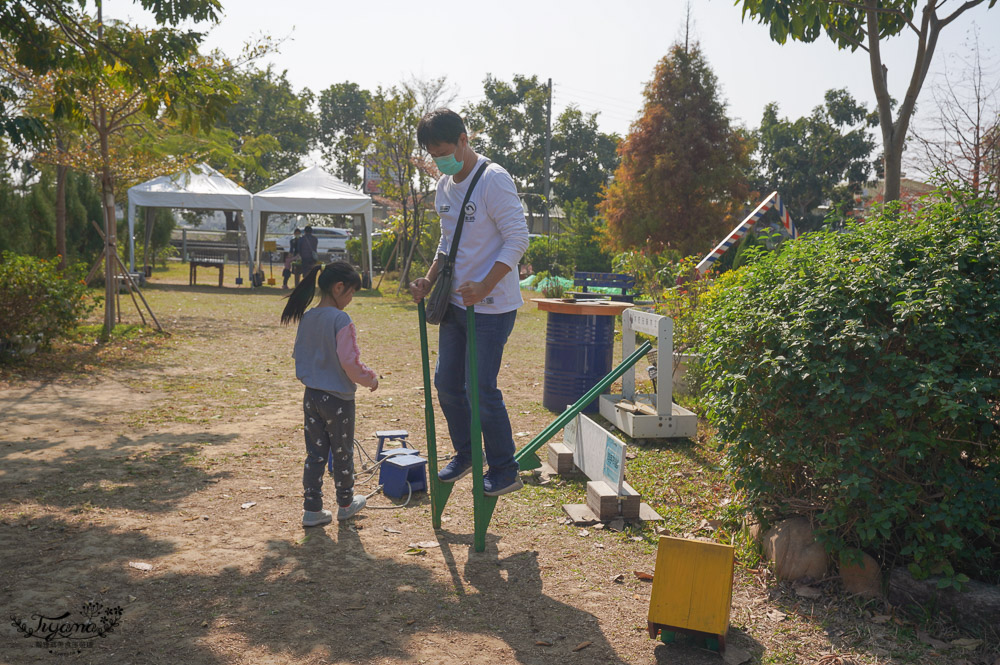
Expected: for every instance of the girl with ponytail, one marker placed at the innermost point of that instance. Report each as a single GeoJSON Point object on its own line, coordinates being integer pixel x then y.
{"type": "Point", "coordinates": [328, 363]}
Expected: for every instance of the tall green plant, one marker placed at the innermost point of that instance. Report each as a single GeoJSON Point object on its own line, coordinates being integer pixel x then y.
{"type": "Point", "coordinates": [856, 375]}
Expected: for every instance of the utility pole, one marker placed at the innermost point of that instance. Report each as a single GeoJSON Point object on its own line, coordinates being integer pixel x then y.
{"type": "Point", "coordinates": [548, 153]}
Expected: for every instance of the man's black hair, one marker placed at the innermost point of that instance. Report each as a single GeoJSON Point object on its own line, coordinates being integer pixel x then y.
{"type": "Point", "coordinates": [309, 230]}
{"type": "Point", "coordinates": [440, 126]}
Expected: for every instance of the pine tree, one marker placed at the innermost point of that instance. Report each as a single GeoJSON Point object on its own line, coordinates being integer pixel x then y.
{"type": "Point", "coordinates": [683, 167]}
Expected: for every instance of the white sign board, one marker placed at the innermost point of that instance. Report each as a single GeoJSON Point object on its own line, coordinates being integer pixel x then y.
{"type": "Point", "coordinates": [596, 452]}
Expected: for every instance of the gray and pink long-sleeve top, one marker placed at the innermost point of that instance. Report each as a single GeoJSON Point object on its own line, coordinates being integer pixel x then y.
{"type": "Point", "coordinates": [326, 353]}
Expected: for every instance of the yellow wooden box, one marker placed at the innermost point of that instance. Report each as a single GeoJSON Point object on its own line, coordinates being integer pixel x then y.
{"type": "Point", "coordinates": [692, 586]}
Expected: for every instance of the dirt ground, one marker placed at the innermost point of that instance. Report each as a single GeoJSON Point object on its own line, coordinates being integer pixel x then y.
{"type": "Point", "coordinates": [164, 478]}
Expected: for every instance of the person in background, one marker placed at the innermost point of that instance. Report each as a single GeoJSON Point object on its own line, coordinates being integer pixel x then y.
{"type": "Point", "coordinates": [494, 237]}
{"type": "Point", "coordinates": [293, 249]}
{"type": "Point", "coordinates": [287, 272]}
{"type": "Point", "coordinates": [308, 250]}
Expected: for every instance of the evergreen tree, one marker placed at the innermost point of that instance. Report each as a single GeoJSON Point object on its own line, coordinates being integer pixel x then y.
{"type": "Point", "coordinates": [683, 167]}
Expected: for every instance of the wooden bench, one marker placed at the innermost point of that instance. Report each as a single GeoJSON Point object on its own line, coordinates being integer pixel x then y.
{"type": "Point", "coordinates": [205, 261]}
{"type": "Point", "coordinates": [611, 280]}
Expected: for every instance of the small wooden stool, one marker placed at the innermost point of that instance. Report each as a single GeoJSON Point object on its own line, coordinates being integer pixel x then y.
{"type": "Point", "coordinates": [399, 435]}
{"type": "Point", "coordinates": [692, 591]}
{"type": "Point", "coordinates": [402, 470]}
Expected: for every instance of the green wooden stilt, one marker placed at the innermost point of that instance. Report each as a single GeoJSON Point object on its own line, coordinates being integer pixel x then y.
{"type": "Point", "coordinates": [482, 505]}
{"type": "Point", "coordinates": [526, 457]}
{"type": "Point", "coordinates": [439, 491]}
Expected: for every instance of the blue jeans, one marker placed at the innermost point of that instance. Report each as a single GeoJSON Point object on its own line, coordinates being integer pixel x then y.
{"type": "Point", "coordinates": [450, 379]}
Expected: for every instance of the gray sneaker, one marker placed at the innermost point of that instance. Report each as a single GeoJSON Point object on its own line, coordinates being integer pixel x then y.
{"type": "Point", "coordinates": [316, 517]}
{"type": "Point", "coordinates": [347, 512]}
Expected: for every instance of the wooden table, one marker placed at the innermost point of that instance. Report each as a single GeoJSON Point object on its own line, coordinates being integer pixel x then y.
{"type": "Point", "coordinates": [205, 263]}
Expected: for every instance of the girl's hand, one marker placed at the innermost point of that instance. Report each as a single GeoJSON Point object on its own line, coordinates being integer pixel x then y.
{"type": "Point", "coordinates": [419, 288]}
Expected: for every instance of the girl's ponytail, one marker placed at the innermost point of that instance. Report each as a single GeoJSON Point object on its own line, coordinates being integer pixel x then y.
{"type": "Point", "coordinates": [300, 298]}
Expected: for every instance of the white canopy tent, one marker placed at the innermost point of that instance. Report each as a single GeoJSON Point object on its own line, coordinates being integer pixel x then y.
{"type": "Point", "coordinates": [311, 191]}
{"type": "Point", "coordinates": [200, 188]}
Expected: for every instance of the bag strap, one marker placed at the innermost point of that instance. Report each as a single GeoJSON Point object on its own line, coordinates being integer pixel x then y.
{"type": "Point", "coordinates": [453, 252]}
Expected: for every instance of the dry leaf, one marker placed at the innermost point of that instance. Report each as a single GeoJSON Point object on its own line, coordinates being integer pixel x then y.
{"type": "Point", "coordinates": [425, 544]}
{"type": "Point", "coordinates": [139, 565]}
{"type": "Point", "coordinates": [265, 488]}
{"type": "Point", "coordinates": [581, 646]}
{"type": "Point", "coordinates": [930, 641]}
{"type": "Point", "coordinates": [966, 643]}
{"type": "Point", "coordinates": [735, 656]}
{"type": "Point", "coordinates": [389, 529]}
{"type": "Point", "coordinates": [881, 618]}
{"type": "Point", "coordinates": [543, 643]}
{"type": "Point", "coordinates": [248, 504]}
{"type": "Point", "coordinates": [131, 598]}
{"type": "Point", "coordinates": [619, 578]}
{"type": "Point", "coordinates": [776, 615]}
{"type": "Point", "coordinates": [646, 577]}
{"type": "Point", "coordinates": [808, 591]}
{"type": "Point", "coordinates": [583, 533]}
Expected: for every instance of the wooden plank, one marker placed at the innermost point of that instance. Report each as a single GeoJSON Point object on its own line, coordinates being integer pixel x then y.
{"type": "Point", "coordinates": [584, 307]}
{"type": "Point", "coordinates": [581, 514]}
{"type": "Point", "coordinates": [692, 585]}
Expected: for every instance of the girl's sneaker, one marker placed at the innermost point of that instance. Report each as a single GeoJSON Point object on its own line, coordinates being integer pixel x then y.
{"type": "Point", "coordinates": [316, 517]}
{"type": "Point", "coordinates": [347, 512]}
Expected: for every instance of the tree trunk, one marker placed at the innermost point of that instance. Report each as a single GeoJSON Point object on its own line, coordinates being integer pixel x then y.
{"type": "Point", "coordinates": [110, 232]}
{"type": "Point", "coordinates": [61, 175]}
{"type": "Point", "coordinates": [893, 165]}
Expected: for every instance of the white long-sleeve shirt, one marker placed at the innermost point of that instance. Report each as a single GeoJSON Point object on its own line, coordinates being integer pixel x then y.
{"type": "Point", "coordinates": [494, 231]}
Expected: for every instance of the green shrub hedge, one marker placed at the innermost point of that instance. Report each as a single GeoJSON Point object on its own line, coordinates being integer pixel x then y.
{"type": "Point", "coordinates": [856, 376]}
{"type": "Point", "coordinates": [38, 303]}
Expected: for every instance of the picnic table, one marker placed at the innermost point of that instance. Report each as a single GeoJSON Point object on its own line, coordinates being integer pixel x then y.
{"type": "Point", "coordinates": [205, 261]}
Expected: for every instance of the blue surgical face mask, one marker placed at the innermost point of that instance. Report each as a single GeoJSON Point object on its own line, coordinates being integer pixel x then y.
{"type": "Point", "coordinates": [448, 165]}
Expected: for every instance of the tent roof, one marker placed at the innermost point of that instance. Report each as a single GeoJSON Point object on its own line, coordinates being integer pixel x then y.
{"type": "Point", "coordinates": [201, 187]}
{"type": "Point", "coordinates": [312, 190]}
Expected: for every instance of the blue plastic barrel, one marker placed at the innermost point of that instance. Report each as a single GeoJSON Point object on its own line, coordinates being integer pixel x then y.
{"type": "Point", "coordinates": [579, 350]}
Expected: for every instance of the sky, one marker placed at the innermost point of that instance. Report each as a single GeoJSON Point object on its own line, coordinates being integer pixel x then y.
{"type": "Point", "coordinates": [599, 55]}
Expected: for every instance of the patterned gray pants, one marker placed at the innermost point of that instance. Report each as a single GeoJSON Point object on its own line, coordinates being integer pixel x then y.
{"type": "Point", "coordinates": [329, 425]}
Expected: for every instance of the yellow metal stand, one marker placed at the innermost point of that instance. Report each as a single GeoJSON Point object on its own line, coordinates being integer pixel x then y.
{"type": "Point", "coordinates": [692, 591]}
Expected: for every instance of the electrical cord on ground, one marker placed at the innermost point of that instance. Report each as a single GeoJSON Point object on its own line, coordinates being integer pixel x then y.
{"type": "Point", "coordinates": [374, 470]}
{"type": "Point", "coordinates": [409, 493]}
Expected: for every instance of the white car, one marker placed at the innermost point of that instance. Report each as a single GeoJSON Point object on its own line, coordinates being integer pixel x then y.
{"type": "Point", "coordinates": [331, 240]}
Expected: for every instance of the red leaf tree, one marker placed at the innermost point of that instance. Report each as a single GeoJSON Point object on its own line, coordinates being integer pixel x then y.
{"type": "Point", "coordinates": [683, 171]}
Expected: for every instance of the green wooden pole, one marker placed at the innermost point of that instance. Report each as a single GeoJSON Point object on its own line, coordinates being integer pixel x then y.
{"type": "Point", "coordinates": [526, 458]}
{"type": "Point", "coordinates": [482, 505]}
{"type": "Point", "coordinates": [439, 491]}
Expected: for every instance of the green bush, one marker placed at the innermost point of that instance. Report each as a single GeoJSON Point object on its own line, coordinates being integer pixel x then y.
{"type": "Point", "coordinates": [856, 376]}
{"type": "Point", "coordinates": [37, 302]}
